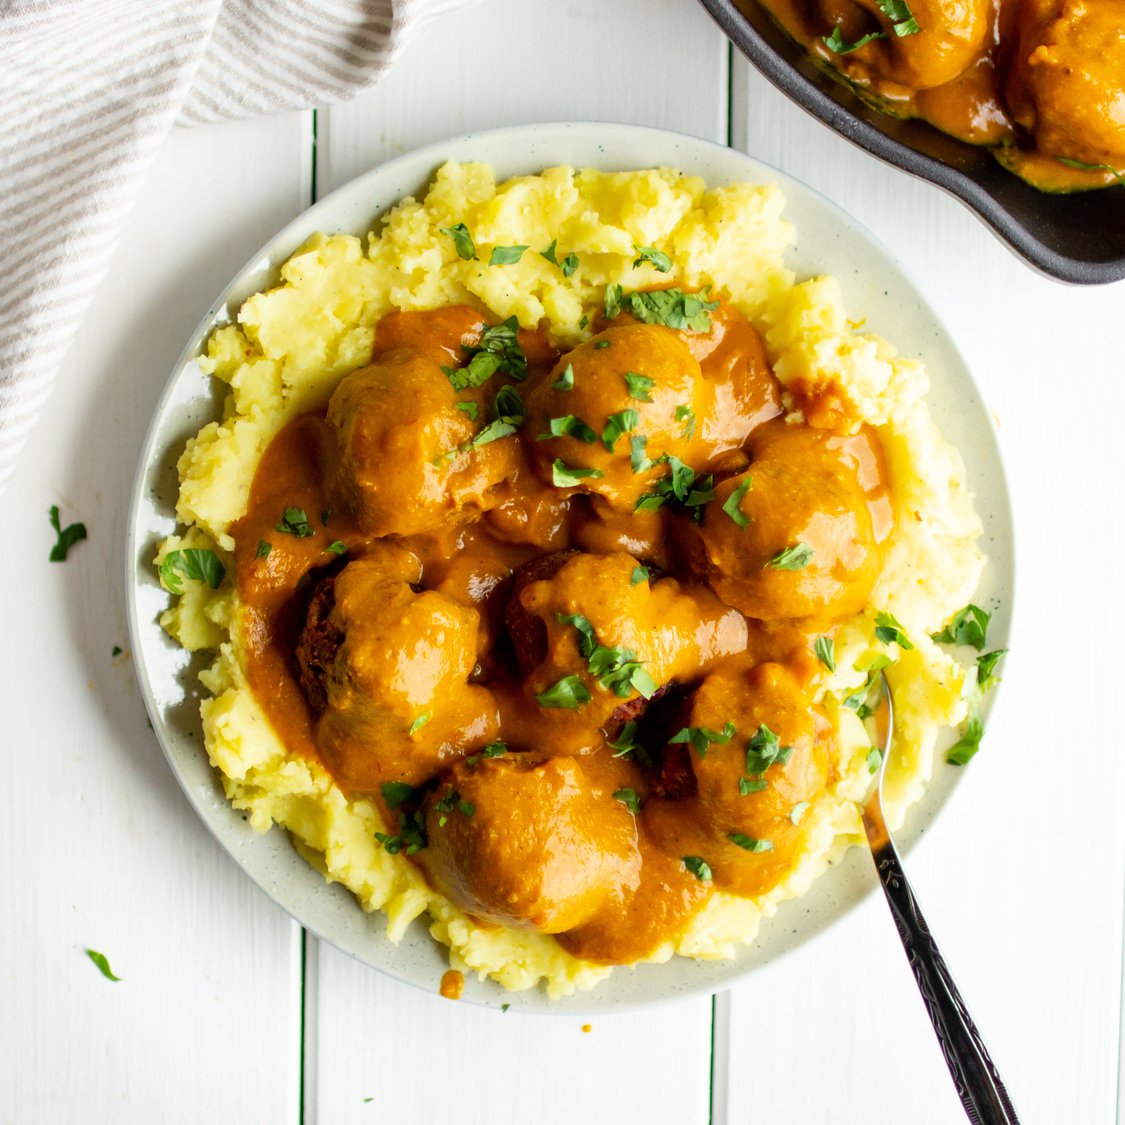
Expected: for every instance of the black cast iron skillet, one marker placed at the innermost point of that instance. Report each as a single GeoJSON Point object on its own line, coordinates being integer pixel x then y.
{"type": "Point", "coordinates": [1078, 238]}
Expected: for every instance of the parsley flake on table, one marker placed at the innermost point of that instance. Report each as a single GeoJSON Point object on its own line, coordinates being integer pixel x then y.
{"type": "Point", "coordinates": [462, 241]}
{"type": "Point", "coordinates": [655, 258]}
{"type": "Point", "coordinates": [699, 867]}
{"type": "Point", "coordinates": [564, 476]}
{"type": "Point", "coordinates": [700, 738]}
{"type": "Point", "coordinates": [295, 522]}
{"type": "Point", "coordinates": [195, 563]}
{"type": "Point", "coordinates": [568, 426]}
{"type": "Point", "coordinates": [569, 693]}
{"type": "Point", "coordinates": [565, 382]}
{"type": "Point", "coordinates": [888, 630]}
{"type": "Point", "coordinates": [629, 798]}
{"type": "Point", "coordinates": [506, 255]}
{"type": "Point", "coordinates": [796, 557]}
{"type": "Point", "coordinates": [825, 649]}
{"type": "Point", "coordinates": [750, 843]}
{"type": "Point", "coordinates": [66, 537]}
{"type": "Point", "coordinates": [639, 386]}
{"type": "Point", "coordinates": [117, 650]}
{"type": "Point", "coordinates": [102, 963]}
{"type": "Point", "coordinates": [968, 626]}
{"type": "Point", "coordinates": [616, 425]}
{"type": "Point", "coordinates": [732, 504]}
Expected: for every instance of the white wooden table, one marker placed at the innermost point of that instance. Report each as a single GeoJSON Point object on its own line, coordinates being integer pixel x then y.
{"type": "Point", "coordinates": [227, 1012]}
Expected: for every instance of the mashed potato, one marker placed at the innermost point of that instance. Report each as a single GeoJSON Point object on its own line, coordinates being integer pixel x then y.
{"type": "Point", "coordinates": [291, 345]}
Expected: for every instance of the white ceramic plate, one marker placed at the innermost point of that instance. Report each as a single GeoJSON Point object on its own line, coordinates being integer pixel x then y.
{"type": "Point", "coordinates": [828, 241]}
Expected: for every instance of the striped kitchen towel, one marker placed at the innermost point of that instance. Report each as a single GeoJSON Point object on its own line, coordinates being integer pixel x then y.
{"type": "Point", "coordinates": [90, 88]}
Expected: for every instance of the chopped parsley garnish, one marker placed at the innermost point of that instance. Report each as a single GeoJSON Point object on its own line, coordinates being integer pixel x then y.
{"type": "Point", "coordinates": [986, 670]}
{"type": "Point", "coordinates": [264, 548]}
{"type": "Point", "coordinates": [506, 255]}
{"type": "Point", "coordinates": [655, 258]}
{"type": "Point", "coordinates": [337, 547]}
{"type": "Point", "coordinates": [699, 867]}
{"type": "Point", "coordinates": [639, 386]}
{"type": "Point", "coordinates": [462, 241]}
{"type": "Point", "coordinates": [888, 630]}
{"type": "Point", "coordinates": [420, 722]}
{"type": "Point", "coordinates": [671, 307]}
{"type": "Point", "coordinates": [750, 843]}
{"type": "Point", "coordinates": [629, 798]}
{"type": "Point", "coordinates": [637, 459]}
{"type": "Point", "coordinates": [102, 963]}
{"type": "Point", "coordinates": [840, 46]}
{"type": "Point", "coordinates": [825, 649]}
{"type": "Point", "coordinates": [411, 836]}
{"type": "Point", "coordinates": [505, 1007]}
{"type": "Point", "coordinates": [681, 486]}
{"type": "Point", "coordinates": [748, 785]}
{"type": "Point", "coordinates": [764, 750]}
{"type": "Point", "coordinates": [568, 426]}
{"type": "Point", "coordinates": [499, 350]}
{"type": "Point", "coordinates": [626, 741]}
{"type": "Point", "coordinates": [508, 414]}
{"type": "Point", "coordinates": [617, 425]}
{"type": "Point", "coordinates": [684, 414]}
{"type": "Point", "coordinates": [566, 477]}
{"type": "Point", "coordinates": [295, 522]}
{"type": "Point", "coordinates": [615, 669]}
{"type": "Point", "coordinates": [569, 693]}
{"type": "Point", "coordinates": [732, 504]}
{"type": "Point", "coordinates": [195, 563]}
{"type": "Point", "coordinates": [568, 265]}
{"type": "Point", "coordinates": [874, 759]}
{"type": "Point", "coordinates": [797, 812]}
{"type": "Point", "coordinates": [700, 738]}
{"type": "Point", "coordinates": [969, 742]}
{"type": "Point", "coordinates": [452, 800]}
{"type": "Point", "coordinates": [326, 515]}
{"type": "Point", "coordinates": [796, 557]}
{"type": "Point", "coordinates": [969, 626]}
{"type": "Point", "coordinates": [898, 12]}
{"type": "Point", "coordinates": [469, 408]}
{"type": "Point", "coordinates": [583, 320]}
{"type": "Point", "coordinates": [495, 749]}
{"type": "Point", "coordinates": [116, 651]}
{"type": "Point", "coordinates": [66, 537]}
{"type": "Point", "coordinates": [565, 382]}
{"type": "Point", "coordinates": [639, 575]}
{"type": "Point", "coordinates": [397, 793]}
{"type": "Point", "coordinates": [1082, 166]}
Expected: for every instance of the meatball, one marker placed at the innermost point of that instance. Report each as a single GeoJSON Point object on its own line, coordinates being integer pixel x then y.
{"type": "Point", "coordinates": [798, 535]}
{"type": "Point", "coordinates": [394, 432]}
{"type": "Point", "coordinates": [390, 668]}
{"type": "Point", "coordinates": [1067, 81]}
{"type": "Point", "coordinates": [951, 36]}
{"type": "Point", "coordinates": [628, 383]}
{"type": "Point", "coordinates": [752, 783]}
{"type": "Point", "coordinates": [621, 633]}
{"type": "Point", "coordinates": [535, 845]}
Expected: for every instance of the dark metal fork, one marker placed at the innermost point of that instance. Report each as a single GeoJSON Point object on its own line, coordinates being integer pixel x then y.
{"type": "Point", "coordinates": [975, 1077]}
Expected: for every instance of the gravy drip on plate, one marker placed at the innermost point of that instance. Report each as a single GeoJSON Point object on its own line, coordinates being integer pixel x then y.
{"type": "Point", "coordinates": [555, 613]}
{"type": "Point", "coordinates": [1040, 81]}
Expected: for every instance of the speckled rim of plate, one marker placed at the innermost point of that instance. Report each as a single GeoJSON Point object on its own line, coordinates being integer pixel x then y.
{"type": "Point", "coordinates": [875, 286]}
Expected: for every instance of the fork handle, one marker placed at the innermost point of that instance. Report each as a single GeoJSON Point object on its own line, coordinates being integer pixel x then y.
{"type": "Point", "coordinates": [975, 1076]}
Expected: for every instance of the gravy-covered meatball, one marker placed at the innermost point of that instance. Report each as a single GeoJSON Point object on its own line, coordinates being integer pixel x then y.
{"type": "Point", "coordinates": [615, 404]}
{"type": "Point", "coordinates": [394, 432]}
{"type": "Point", "coordinates": [1067, 81]}
{"type": "Point", "coordinates": [535, 845]}
{"type": "Point", "coordinates": [798, 534]}
{"type": "Point", "coordinates": [613, 632]}
{"type": "Point", "coordinates": [951, 36]}
{"type": "Point", "coordinates": [390, 668]}
{"type": "Point", "coordinates": [752, 785]}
